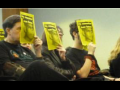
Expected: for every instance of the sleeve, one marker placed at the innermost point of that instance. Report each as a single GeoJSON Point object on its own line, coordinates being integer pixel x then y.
{"type": "Point", "coordinates": [68, 64]}
{"type": "Point", "coordinates": [95, 61]}
{"type": "Point", "coordinates": [69, 73]}
{"type": "Point", "coordinates": [7, 67]}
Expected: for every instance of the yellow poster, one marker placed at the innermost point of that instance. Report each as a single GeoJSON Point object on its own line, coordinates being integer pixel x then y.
{"type": "Point", "coordinates": [1, 34]}
{"type": "Point", "coordinates": [86, 32]}
{"type": "Point", "coordinates": [28, 31]}
{"type": "Point", "coordinates": [52, 36]}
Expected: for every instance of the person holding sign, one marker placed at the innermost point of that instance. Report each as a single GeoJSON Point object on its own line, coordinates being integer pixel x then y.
{"type": "Point", "coordinates": [85, 61]}
{"type": "Point", "coordinates": [20, 62]}
{"type": "Point", "coordinates": [14, 59]}
{"type": "Point", "coordinates": [58, 68]}
{"type": "Point", "coordinates": [56, 57]}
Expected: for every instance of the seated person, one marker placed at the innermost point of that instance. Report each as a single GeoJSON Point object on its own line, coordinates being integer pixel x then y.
{"type": "Point", "coordinates": [57, 73]}
{"type": "Point", "coordinates": [85, 62]}
{"type": "Point", "coordinates": [57, 57]}
{"type": "Point", "coordinates": [114, 61]}
{"type": "Point", "coordinates": [61, 69]}
{"type": "Point", "coordinates": [14, 58]}
{"type": "Point", "coordinates": [40, 71]}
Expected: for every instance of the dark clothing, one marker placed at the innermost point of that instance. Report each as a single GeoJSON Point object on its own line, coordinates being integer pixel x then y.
{"type": "Point", "coordinates": [15, 53]}
{"type": "Point", "coordinates": [39, 71]}
{"type": "Point", "coordinates": [13, 56]}
{"type": "Point", "coordinates": [115, 67]}
{"type": "Point", "coordinates": [66, 68]}
{"type": "Point", "coordinates": [78, 58]}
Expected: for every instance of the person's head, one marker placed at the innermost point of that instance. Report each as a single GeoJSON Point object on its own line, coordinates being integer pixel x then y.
{"type": "Point", "coordinates": [26, 45]}
{"type": "Point", "coordinates": [115, 52]}
{"type": "Point", "coordinates": [75, 32]}
{"type": "Point", "coordinates": [60, 31]}
{"type": "Point", "coordinates": [12, 28]}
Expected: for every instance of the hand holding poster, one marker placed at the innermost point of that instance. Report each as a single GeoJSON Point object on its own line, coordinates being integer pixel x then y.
{"type": "Point", "coordinates": [52, 36]}
{"type": "Point", "coordinates": [1, 34]}
{"type": "Point", "coordinates": [28, 31]}
{"type": "Point", "coordinates": [86, 32]}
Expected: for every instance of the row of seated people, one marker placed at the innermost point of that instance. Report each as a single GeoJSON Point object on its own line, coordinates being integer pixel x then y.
{"type": "Point", "coordinates": [20, 63]}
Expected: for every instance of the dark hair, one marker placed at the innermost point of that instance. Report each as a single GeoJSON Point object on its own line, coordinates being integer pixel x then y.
{"type": "Point", "coordinates": [44, 36]}
{"type": "Point", "coordinates": [73, 28]}
{"type": "Point", "coordinates": [58, 27]}
{"type": "Point", "coordinates": [44, 39]}
{"type": "Point", "coordinates": [10, 22]}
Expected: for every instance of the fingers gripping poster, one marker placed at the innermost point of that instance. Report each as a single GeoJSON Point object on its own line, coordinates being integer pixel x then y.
{"type": "Point", "coordinates": [52, 36]}
{"type": "Point", "coordinates": [86, 32]}
{"type": "Point", "coordinates": [1, 34]}
{"type": "Point", "coordinates": [28, 31]}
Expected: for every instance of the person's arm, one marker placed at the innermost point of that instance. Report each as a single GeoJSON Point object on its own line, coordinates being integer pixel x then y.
{"type": "Point", "coordinates": [13, 69]}
{"type": "Point", "coordinates": [66, 62]}
{"type": "Point", "coordinates": [37, 47]}
{"type": "Point", "coordinates": [112, 79]}
{"type": "Point", "coordinates": [62, 52]}
{"type": "Point", "coordinates": [69, 73]}
{"type": "Point", "coordinates": [9, 68]}
{"type": "Point", "coordinates": [85, 70]}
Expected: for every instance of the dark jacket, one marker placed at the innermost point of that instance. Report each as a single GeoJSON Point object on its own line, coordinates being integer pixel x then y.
{"type": "Point", "coordinates": [115, 67]}
{"type": "Point", "coordinates": [53, 59]}
{"type": "Point", "coordinates": [14, 59]}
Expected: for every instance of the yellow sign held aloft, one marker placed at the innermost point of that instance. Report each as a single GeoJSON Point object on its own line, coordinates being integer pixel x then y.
{"type": "Point", "coordinates": [28, 31]}
{"type": "Point", "coordinates": [86, 32]}
{"type": "Point", "coordinates": [52, 35]}
{"type": "Point", "coordinates": [2, 33]}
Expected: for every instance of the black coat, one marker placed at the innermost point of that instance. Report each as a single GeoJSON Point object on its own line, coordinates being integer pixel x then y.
{"type": "Point", "coordinates": [115, 67]}
{"type": "Point", "coordinates": [53, 59]}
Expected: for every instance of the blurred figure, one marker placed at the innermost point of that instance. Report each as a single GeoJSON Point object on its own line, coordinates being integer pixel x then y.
{"type": "Point", "coordinates": [14, 59]}
{"type": "Point", "coordinates": [59, 61]}
{"type": "Point", "coordinates": [114, 60]}
{"type": "Point", "coordinates": [85, 62]}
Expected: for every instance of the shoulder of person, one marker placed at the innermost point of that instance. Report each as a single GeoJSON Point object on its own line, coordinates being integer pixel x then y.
{"type": "Point", "coordinates": [3, 45]}
{"type": "Point", "coordinates": [68, 48]}
{"type": "Point", "coordinates": [118, 57]}
{"type": "Point", "coordinates": [116, 60]}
